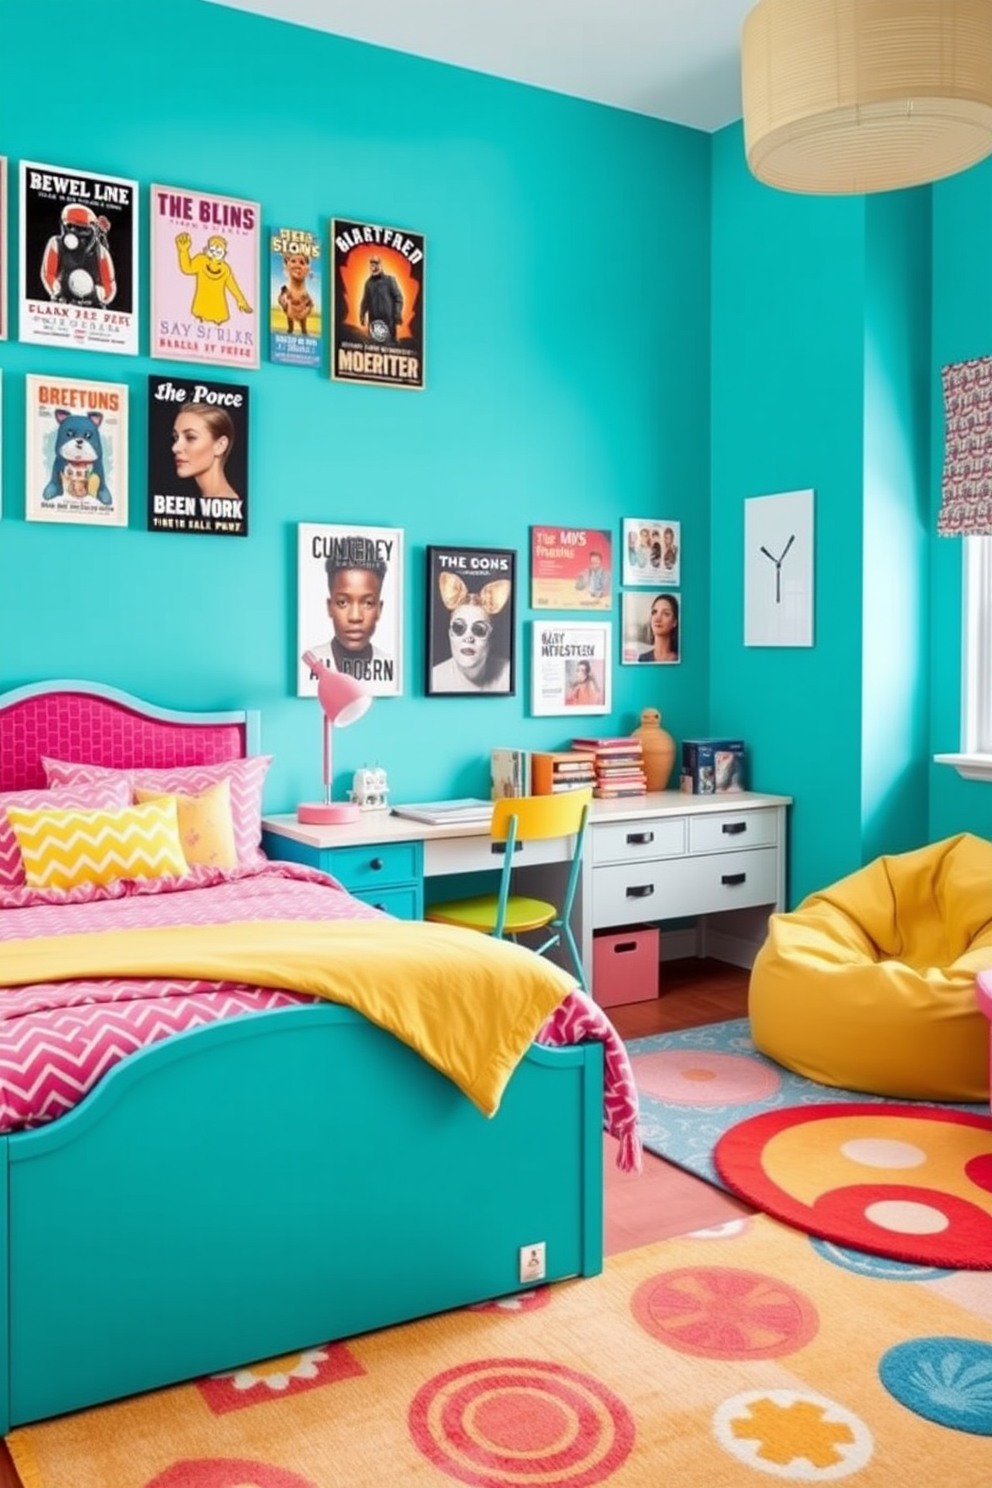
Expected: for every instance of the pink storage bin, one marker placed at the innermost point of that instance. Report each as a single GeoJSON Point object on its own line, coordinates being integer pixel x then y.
{"type": "Point", "coordinates": [626, 965]}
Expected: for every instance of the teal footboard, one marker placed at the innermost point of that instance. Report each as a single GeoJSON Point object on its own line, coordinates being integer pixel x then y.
{"type": "Point", "coordinates": [274, 1182]}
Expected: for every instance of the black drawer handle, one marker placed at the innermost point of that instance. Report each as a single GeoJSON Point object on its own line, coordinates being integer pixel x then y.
{"type": "Point", "coordinates": [640, 891]}
{"type": "Point", "coordinates": [639, 839]}
{"type": "Point", "coordinates": [734, 829]}
{"type": "Point", "coordinates": [624, 945]}
{"type": "Point", "coordinates": [376, 864]}
{"type": "Point", "coordinates": [500, 848]}
{"type": "Point", "coordinates": [380, 906]}
{"type": "Point", "coordinates": [734, 878]}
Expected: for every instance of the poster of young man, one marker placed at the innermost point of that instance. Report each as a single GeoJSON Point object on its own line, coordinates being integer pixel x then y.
{"type": "Point", "coordinates": [570, 568]}
{"type": "Point", "coordinates": [78, 259]}
{"type": "Point", "coordinates": [197, 456]}
{"type": "Point", "coordinates": [76, 451]}
{"type": "Point", "coordinates": [471, 604]}
{"type": "Point", "coordinates": [350, 605]}
{"type": "Point", "coordinates": [204, 277]}
{"type": "Point", "coordinates": [378, 277]}
{"type": "Point", "coordinates": [295, 301]}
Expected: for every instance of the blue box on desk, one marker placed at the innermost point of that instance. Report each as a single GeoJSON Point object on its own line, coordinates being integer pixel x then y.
{"type": "Point", "coordinates": [713, 766]}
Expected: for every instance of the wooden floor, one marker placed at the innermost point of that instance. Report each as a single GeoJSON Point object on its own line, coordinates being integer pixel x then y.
{"type": "Point", "coordinates": [661, 1200]}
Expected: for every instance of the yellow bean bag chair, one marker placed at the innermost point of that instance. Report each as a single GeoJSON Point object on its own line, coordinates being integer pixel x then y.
{"type": "Point", "coordinates": [870, 984]}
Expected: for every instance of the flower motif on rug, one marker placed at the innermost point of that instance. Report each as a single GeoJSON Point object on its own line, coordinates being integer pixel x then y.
{"type": "Point", "coordinates": [274, 1379]}
{"type": "Point", "coordinates": [793, 1434]}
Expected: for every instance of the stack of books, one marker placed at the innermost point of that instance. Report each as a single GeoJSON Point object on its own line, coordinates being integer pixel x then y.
{"type": "Point", "coordinates": [618, 764]}
{"type": "Point", "coordinates": [712, 766]}
{"type": "Point", "coordinates": [552, 771]}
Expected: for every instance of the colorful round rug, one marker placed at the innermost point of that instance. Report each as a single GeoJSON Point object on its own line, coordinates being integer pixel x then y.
{"type": "Point", "coordinates": [910, 1182]}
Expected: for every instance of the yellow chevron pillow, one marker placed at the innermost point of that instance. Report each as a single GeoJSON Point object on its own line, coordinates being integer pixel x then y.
{"type": "Point", "coordinates": [206, 825]}
{"type": "Point", "coordinates": [61, 849]}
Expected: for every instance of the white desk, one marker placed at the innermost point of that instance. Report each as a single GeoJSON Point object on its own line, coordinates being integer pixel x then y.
{"type": "Point", "coordinates": [719, 860]}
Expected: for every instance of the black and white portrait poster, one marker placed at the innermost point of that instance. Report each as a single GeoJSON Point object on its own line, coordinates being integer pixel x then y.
{"type": "Point", "coordinates": [197, 456]}
{"type": "Point", "coordinates": [378, 276]}
{"type": "Point", "coordinates": [350, 605]}
{"type": "Point", "coordinates": [78, 259]}
{"type": "Point", "coordinates": [76, 451]}
{"type": "Point", "coordinates": [471, 604]}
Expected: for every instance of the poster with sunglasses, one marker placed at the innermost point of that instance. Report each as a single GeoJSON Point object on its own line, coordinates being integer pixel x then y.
{"type": "Point", "coordinates": [378, 315]}
{"type": "Point", "coordinates": [471, 609]}
{"type": "Point", "coordinates": [205, 277]}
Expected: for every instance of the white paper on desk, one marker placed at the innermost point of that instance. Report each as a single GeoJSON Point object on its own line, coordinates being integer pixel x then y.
{"type": "Point", "coordinates": [463, 809]}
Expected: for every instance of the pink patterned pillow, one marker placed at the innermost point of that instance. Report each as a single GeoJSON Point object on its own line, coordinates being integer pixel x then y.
{"type": "Point", "coordinates": [111, 794]}
{"type": "Point", "coordinates": [247, 777]}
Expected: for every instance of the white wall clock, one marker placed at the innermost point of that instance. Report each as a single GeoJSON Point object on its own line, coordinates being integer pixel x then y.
{"type": "Point", "coordinates": [778, 569]}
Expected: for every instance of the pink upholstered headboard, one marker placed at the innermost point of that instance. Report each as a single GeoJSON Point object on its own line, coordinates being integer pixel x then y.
{"type": "Point", "coordinates": [92, 724]}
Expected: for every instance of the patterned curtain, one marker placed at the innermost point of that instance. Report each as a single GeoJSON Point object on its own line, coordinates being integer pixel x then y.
{"type": "Point", "coordinates": [966, 492]}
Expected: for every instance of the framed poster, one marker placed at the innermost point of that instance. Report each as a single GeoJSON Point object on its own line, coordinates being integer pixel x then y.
{"type": "Point", "coordinates": [204, 277]}
{"type": "Point", "coordinates": [378, 316]}
{"type": "Point", "coordinates": [78, 259]}
{"type": "Point", "coordinates": [652, 628]}
{"type": "Point", "coordinates": [76, 451]}
{"type": "Point", "coordinates": [350, 604]}
{"type": "Point", "coordinates": [652, 548]}
{"type": "Point", "coordinates": [296, 319]}
{"type": "Point", "coordinates": [4, 231]}
{"type": "Point", "coordinates": [197, 456]}
{"type": "Point", "coordinates": [570, 666]}
{"type": "Point", "coordinates": [570, 568]}
{"type": "Point", "coordinates": [778, 569]}
{"type": "Point", "coordinates": [471, 608]}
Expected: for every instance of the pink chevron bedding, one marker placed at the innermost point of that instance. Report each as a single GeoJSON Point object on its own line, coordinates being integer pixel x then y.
{"type": "Point", "coordinates": [58, 1039]}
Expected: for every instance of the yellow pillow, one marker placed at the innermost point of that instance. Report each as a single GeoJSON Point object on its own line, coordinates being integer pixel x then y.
{"type": "Point", "coordinates": [206, 826]}
{"type": "Point", "coordinates": [61, 849]}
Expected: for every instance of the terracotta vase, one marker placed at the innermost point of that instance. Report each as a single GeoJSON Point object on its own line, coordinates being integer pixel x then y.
{"type": "Point", "coordinates": [659, 749]}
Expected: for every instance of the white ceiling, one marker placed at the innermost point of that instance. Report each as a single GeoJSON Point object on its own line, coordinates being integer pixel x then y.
{"type": "Point", "coordinates": [672, 59]}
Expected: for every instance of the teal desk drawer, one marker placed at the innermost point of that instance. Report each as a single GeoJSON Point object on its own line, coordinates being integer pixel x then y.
{"type": "Point", "coordinates": [367, 869]}
{"type": "Point", "coordinates": [404, 903]}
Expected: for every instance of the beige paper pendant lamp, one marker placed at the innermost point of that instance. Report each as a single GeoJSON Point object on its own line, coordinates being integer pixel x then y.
{"type": "Point", "coordinates": [846, 96]}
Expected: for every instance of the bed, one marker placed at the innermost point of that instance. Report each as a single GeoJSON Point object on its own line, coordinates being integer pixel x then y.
{"type": "Point", "coordinates": [257, 1183]}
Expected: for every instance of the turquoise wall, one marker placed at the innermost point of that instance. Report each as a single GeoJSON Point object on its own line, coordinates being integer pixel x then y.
{"type": "Point", "coordinates": [621, 322]}
{"type": "Point", "coordinates": [820, 347]}
{"type": "Point", "coordinates": [962, 329]}
{"type": "Point", "coordinates": [788, 292]}
{"type": "Point", "coordinates": [567, 370]}
{"type": "Point", "coordinates": [897, 532]}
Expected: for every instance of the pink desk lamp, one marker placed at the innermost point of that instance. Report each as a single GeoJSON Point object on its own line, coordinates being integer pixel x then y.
{"type": "Point", "coordinates": [343, 700]}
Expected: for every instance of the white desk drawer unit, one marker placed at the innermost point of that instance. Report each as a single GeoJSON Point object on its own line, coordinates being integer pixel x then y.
{"type": "Point", "coordinates": [676, 867]}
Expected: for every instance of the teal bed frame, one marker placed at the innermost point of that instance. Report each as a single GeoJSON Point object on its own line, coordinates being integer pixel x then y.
{"type": "Point", "coordinates": [272, 1182]}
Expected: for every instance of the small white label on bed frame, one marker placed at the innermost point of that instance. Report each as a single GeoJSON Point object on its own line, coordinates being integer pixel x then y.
{"type": "Point", "coordinates": [533, 1262]}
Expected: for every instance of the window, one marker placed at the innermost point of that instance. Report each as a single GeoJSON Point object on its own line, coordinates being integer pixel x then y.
{"type": "Point", "coordinates": [975, 759]}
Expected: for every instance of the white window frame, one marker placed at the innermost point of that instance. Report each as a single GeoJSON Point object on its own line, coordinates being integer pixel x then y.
{"type": "Point", "coordinates": [974, 761]}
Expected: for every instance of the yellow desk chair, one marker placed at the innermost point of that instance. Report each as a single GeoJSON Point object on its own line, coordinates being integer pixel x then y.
{"type": "Point", "coordinates": [505, 914]}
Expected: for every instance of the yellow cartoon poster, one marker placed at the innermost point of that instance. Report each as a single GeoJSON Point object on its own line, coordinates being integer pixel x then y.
{"type": "Point", "coordinates": [205, 266]}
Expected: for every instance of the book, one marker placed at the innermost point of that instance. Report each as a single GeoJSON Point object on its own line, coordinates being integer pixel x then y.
{"type": "Point", "coordinates": [510, 773]}
{"type": "Point", "coordinates": [549, 767]}
{"type": "Point", "coordinates": [442, 813]}
{"type": "Point", "coordinates": [622, 744]}
{"type": "Point", "coordinates": [712, 766]}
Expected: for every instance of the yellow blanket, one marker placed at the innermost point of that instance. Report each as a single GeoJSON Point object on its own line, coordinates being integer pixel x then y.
{"type": "Point", "coordinates": [467, 1003]}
